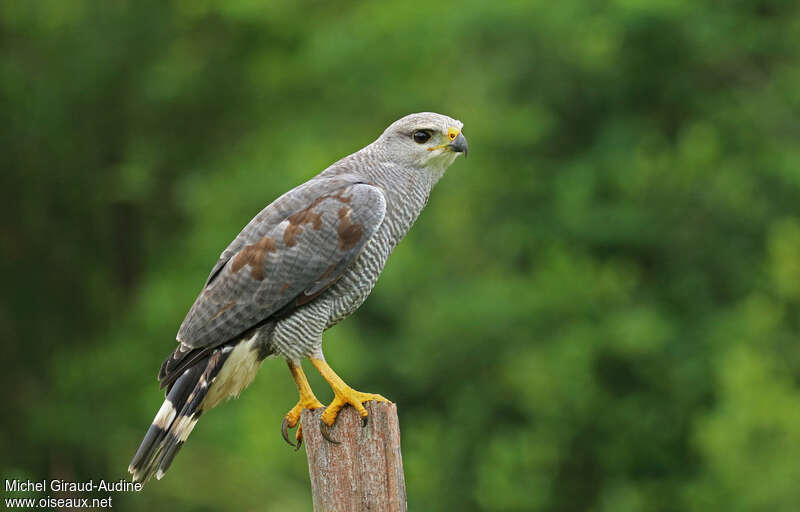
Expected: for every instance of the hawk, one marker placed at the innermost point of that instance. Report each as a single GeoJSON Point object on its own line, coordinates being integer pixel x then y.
{"type": "Point", "coordinates": [304, 263]}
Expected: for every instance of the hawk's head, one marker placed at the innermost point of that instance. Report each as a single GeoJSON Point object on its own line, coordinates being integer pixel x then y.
{"type": "Point", "coordinates": [426, 139]}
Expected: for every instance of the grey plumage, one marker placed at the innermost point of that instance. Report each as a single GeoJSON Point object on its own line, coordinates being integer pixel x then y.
{"type": "Point", "coordinates": [304, 263]}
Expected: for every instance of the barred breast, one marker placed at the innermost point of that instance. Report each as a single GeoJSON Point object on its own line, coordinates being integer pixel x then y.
{"type": "Point", "coordinates": [299, 334]}
{"type": "Point", "coordinates": [357, 282]}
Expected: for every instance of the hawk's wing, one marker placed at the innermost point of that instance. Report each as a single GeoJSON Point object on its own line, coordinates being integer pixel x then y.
{"type": "Point", "coordinates": [286, 256]}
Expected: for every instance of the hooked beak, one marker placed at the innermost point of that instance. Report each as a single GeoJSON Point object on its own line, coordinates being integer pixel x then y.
{"type": "Point", "coordinates": [459, 145]}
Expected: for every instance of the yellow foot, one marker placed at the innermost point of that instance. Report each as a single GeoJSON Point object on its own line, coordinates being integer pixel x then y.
{"type": "Point", "coordinates": [292, 419]}
{"type": "Point", "coordinates": [342, 395]}
{"type": "Point", "coordinates": [307, 401]}
{"type": "Point", "coordinates": [349, 396]}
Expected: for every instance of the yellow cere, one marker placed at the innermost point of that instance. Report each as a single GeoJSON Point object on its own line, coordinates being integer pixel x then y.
{"type": "Point", "coordinates": [452, 133]}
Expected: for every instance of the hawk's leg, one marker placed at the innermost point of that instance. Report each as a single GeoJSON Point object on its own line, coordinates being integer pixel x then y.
{"type": "Point", "coordinates": [342, 395]}
{"type": "Point", "coordinates": [307, 401]}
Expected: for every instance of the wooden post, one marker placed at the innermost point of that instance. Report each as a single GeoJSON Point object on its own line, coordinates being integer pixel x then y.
{"type": "Point", "coordinates": [362, 473]}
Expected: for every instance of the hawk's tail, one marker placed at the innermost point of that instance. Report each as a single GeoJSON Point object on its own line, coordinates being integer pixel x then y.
{"type": "Point", "coordinates": [176, 418]}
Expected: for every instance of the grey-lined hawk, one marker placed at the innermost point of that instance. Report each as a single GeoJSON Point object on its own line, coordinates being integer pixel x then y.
{"type": "Point", "coordinates": [304, 263]}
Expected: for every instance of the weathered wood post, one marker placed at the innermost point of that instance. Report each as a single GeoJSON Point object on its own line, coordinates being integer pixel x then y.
{"type": "Point", "coordinates": [362, 473]}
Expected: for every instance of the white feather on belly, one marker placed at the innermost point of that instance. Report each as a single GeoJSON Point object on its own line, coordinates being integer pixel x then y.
{"type": "Point", "coordinates": [237, 372]}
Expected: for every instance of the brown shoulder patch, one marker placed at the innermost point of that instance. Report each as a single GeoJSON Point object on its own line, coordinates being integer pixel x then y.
{"type": "Point", "coordinates": [307, 216]}
{"type": "Point", "coordinates": [296, 222]}
{"type": "Point", "coordinates": [349, 233]}
{"type": "Point", "coordinates": [254, 255]}
{"type": "Point", "coordinates": [341, 198]}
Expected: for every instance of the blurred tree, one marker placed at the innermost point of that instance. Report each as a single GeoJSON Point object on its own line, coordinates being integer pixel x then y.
{"type": "Point", "coordinates": [604, 296]}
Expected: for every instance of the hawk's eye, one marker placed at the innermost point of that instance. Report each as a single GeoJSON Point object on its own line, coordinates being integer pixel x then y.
{"type": "Point", "coordinates": [421, 136]}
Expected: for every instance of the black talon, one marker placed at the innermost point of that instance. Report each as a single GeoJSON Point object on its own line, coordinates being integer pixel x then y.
{"type": "Point", "coordinates": [323, 429]}
{"type": "Point", "coordinates": [364, 421]}
{"type": "Point", "coordinates": [299, 444]}
{"type": "Point", "coordinates": [284, 427]}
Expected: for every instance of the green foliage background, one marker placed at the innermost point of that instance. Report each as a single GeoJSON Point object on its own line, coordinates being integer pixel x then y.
{"type": "Point", "coordinates": [598, 311]}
